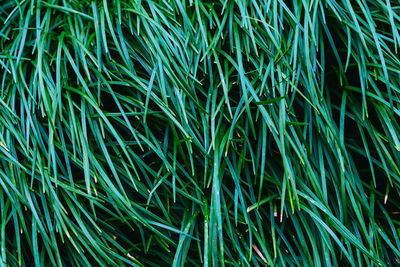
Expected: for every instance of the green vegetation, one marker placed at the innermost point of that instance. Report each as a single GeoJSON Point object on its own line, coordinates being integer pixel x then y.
{"type": "Point", "coordinates": [190, 132]}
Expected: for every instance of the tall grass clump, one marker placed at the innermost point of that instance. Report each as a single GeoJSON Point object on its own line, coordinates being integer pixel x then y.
{"type": "Point", "coordinates": [199, 133]}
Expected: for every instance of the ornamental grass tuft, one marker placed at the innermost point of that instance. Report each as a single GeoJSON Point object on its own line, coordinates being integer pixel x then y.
{"type": "Point", "coordinates": [199, 133]}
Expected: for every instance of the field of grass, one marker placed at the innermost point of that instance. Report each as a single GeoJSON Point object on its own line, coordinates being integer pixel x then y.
{"type": "Point", "coordinates": [199, 133]}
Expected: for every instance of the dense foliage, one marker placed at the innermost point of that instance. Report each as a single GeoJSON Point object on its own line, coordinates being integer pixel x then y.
{"type": "Point", "coordinates": [190, 132]}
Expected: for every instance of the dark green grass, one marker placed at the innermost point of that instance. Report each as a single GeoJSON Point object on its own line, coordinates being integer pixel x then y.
{"type": "Point", "coordinates": [187, 133]}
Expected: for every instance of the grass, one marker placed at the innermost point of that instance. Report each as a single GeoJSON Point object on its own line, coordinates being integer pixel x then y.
{"type": "Point", "coordinates": [186, 133]}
